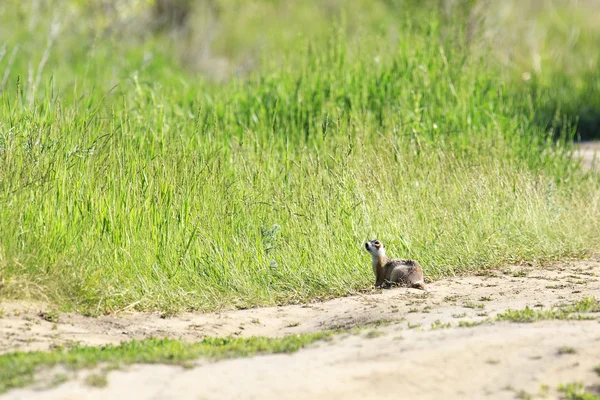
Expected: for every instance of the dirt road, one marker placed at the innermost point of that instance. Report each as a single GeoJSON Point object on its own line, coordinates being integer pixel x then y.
{"type": "Point", "coordinates": [422, 354]}
{"type": "Point", "coordinates": [588, 153]}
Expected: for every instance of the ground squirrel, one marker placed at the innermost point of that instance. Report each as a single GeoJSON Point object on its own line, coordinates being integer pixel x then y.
{"type": "Point", "coordinates": [393, 270]}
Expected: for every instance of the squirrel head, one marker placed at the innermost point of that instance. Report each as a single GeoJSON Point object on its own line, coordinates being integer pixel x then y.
{"type": "Point", "coordinates": [375, 247]}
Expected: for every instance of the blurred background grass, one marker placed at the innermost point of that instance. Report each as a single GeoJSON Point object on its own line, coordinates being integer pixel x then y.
{"type": "Point", "coordinates": [180, 154]}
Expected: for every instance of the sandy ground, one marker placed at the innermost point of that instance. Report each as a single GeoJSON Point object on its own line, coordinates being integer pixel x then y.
{"type": "Point", "coordinates": [406, 359]}
{"type": "Point", "coordinates": [589, 154]}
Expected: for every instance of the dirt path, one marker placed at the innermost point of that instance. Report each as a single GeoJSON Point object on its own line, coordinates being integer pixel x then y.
{"type": "Point", "coordinates": [407, 359]}
{"type": "Point", "coordinates": [477, 297]}
{"type": "Point", "coordinates": [589, 154]}
{"type": "Point", "coordinates": [498, 362]}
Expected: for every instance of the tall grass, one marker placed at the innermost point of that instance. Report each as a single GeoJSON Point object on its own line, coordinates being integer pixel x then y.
{"type": "Point", "coordinates": [126, 181]}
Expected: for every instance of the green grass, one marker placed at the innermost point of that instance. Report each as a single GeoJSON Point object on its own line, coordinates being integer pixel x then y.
{"type": "Point", "coordinates": [373, 334]}
{"type": "Point", "coordinates": [129, 178]}
{"type": "Point", "coordinates": [96, 380]}
{"type": "Point", "coordinates": [470, 304]}
{"type": "Point", "coordinates": [50, 316]}
{"type": "Point", "coordinates": [522, 394]}
{"type": "Point", "coordinates": [19, 369]}
{"type": "Point", "coordinates": [470, 324]}
{"type": "Point", "coordinates": [579, 310]}
{"type": "Point", "coordinates": [567, 350]}
{"type": "Point", "coordinates": [437, 324]}
{"type": "Point", "coordinates": [576, 391]}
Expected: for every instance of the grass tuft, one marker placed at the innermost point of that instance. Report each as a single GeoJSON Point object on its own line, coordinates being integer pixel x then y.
{"type": "Point", "coordinates": [470, 304]}
{"type": "Point", "coordinates": [96, 380]}
{"type": "Point", "coordinates": [567, 350]}
{"type": "Point", "coordinates": [576, 391]}
{"type": "Point", "coordinates": [470, 324]}
{"type": "Point", "coordinates": [50, 316]}
{"type": "Point", "coordinates": [579, 310]}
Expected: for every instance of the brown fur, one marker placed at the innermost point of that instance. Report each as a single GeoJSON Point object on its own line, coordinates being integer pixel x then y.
{"type": "Point", "coordinates": [396, 271]}
{"type": "Point", "coordinates": [399, 271]}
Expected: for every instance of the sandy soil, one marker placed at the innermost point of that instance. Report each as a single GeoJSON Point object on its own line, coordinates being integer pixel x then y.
{"type": "Point", "coordinates": [589, 154]}
{"type": "Point", "coordinates": [406, 359]}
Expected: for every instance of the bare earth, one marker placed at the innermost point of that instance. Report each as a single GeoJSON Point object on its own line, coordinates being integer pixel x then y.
{"type": "Point", "coordinates": [406, 359]}
{"type": "Point", "coordinates": [588, 153]}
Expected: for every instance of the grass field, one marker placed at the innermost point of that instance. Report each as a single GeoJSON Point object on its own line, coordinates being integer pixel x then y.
{"type": "Point", "coordinates": [243, 160]}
